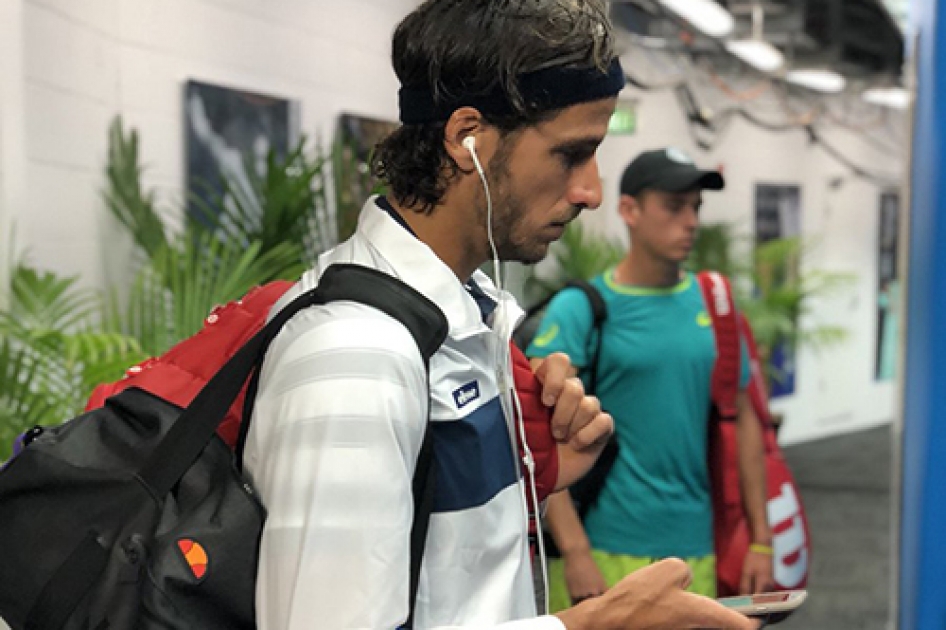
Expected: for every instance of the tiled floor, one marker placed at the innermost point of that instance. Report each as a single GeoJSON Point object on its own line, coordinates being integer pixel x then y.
{"type": "Point", "coordinates": [845, 486]}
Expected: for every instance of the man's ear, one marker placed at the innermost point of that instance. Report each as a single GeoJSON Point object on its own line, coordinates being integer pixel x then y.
{"type": "Point", "coordinates": [466, 122]}
{"type": "Point", "coordinates": [629, 208]}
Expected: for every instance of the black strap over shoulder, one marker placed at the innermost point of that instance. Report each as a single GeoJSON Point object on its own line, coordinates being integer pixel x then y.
{"type": "Point", "coordinates": [422, 318]}
{"type": "Point", "coordinates": [198, 423]}
{"type": "Point", "coordinates": [586, 491]}
{"type": "Point", "coordinates": [599, 313]}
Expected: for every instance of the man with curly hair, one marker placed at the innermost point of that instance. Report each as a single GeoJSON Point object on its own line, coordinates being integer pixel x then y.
{"type": "Point", "coordinates": [504, 103]}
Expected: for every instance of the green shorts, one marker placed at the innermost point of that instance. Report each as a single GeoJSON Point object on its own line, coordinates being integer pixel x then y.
{"type": "Point", "coordinates": [614, 567]}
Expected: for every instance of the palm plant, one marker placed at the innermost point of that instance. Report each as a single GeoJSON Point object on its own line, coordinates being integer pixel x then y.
{"type": "Point", "coordinates": [53, 351]}
{"type": "Point", "coordinates": [286, 204]}
{"type": "Point", "coordinates": [57, 340]}
{"type": "Point", "coordinates": [240, 238]}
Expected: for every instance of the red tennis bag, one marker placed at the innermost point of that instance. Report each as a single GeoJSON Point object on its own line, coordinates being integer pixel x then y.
{"type": "Point", "coordinates": [786, 514]}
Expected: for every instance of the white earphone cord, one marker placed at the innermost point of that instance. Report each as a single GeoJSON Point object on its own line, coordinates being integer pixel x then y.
{"type": "Point", "coordinates": [527, 459]}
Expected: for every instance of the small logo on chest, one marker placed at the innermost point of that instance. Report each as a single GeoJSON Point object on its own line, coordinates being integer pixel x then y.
{"type": "Point", "coordinates": [466, 394]}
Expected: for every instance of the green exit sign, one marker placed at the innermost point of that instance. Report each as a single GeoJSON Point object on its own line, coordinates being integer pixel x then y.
{"type": "Point", "coordinates": [624, 119]}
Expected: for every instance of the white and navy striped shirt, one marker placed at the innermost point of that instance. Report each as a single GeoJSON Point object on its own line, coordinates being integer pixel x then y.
{"type": "Point", "coordinates": [336, 430]}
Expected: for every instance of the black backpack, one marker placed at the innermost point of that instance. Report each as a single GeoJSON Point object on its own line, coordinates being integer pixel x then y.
{"type": "Point", "coordinates": [586, 490]}
{"type": "Point", "coordinates": [135, 516]}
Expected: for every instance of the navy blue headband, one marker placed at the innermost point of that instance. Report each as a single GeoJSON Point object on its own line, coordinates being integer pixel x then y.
{"type": "Point", "coordinates": [542, 91]}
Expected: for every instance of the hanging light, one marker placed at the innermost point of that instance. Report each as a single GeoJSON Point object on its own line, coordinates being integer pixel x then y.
{"type": "Point", "coordinates": [755, 51]}
{"type": "Point", "coordinates": [894, 97]}
{"type": "Point", "coordinates": [819, 80]}
{"type": "Point", "coordinates": [706, 16]}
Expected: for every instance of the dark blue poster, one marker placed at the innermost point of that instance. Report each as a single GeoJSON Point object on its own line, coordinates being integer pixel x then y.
{"type": "Point", "coordinates": [230, 132]}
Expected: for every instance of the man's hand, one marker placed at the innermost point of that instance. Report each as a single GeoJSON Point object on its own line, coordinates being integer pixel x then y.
{"type": "Point", "coordinates": [576, 417]}
{"type": "Point", "coordinates": [654, 598]}
{"type": "Point", "coordinates": [756, 574]}
{"type": "Point", "coordinates": [582, 576]}
{"type": "Point", "coordinates": [578, 424]}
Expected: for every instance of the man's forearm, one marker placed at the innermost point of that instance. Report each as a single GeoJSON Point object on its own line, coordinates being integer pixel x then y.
{"type": "Point", "coordinates": [564, 524]}
{"type": "Point", "coordinates": [752, 472]}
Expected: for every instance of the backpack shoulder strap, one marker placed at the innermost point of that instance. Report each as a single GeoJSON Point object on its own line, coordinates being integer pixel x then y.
{"type": "Point", "coordinates": [422, 318]}
{"type": "Point", "coordinates": [599, 313]}
{"type": "Point", "coordinates": [717, 294]}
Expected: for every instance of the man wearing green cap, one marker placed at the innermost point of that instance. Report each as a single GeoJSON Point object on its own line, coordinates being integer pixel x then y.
{"type": "Point", "coordinates": [654, 370]}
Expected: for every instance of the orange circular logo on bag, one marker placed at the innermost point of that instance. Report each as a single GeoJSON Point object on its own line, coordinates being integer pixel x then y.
{"type": "Point", "coordinates": [195, 556]}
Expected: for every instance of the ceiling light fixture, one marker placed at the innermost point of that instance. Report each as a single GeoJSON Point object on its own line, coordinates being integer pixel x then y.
{"type": "Point", "coordinates": [819, 80]}
{"type": "Point", "coordinates": [755, 51]}
{"type": "Point", "coordinates": [706, 16]}
{"type": "Point", "coordinates": [759, 54]}
{"type": "Point", "coordinates": [895, 97]}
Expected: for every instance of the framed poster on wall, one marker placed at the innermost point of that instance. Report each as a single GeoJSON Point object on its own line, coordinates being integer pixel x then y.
{"type": "Point", "coordinates": [230, 132]}
{"type": "Point", "coordinates": [888, 286]}
{"type": "Point", "coordinates": [778, 215]}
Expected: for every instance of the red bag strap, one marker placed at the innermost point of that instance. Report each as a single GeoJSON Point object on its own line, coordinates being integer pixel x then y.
{"type": "Point", "coordinates": [717, 294]}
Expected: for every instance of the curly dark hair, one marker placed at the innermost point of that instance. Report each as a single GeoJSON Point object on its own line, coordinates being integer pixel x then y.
{"type": "Point", "coordinates": [473, 47]}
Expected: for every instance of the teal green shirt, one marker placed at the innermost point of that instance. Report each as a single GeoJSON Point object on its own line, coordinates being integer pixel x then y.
{"type": "Point", "coordinates": [654, 377]}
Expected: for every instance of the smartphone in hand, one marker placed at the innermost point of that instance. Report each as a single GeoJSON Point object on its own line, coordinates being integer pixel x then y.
{"type": "Point", "coordinates": [773, 607]}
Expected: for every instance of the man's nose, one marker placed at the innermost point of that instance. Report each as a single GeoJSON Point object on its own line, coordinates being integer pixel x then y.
{"type": "Point", "coordinates": [585, 188]}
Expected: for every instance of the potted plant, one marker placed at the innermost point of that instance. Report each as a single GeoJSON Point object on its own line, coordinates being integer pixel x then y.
{"type": "Point", "coordinates": [57, 340]}
{"type": "Point", "coordinates": [53, 350]}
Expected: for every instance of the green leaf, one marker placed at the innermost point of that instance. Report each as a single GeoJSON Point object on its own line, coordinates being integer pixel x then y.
{"type": "Point", "coordinates": [133, 207]}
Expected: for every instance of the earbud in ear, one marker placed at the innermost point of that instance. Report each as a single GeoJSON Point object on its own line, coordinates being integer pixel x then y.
{"type": "Point", "coordinates": [469, 143]}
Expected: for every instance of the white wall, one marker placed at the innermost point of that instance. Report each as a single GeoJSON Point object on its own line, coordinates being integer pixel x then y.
{"type": "Point", "coordinates": [835, 390]}
{"type": "Point", "coordinates": [11, 128]}
{"type": "Point", "coordinates": [68, 66]}
{"type": "Point", "coordinates": [84, 61]}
